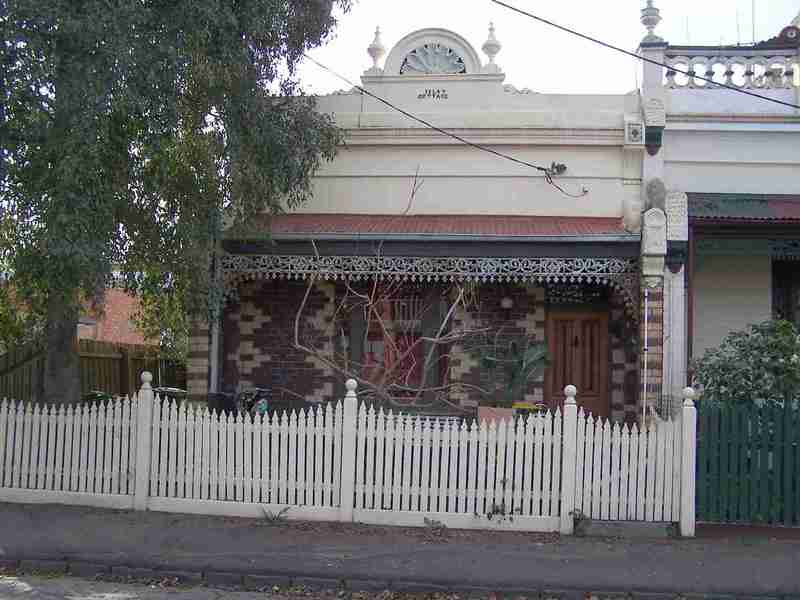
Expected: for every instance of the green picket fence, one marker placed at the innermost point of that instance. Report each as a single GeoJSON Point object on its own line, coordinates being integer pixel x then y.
{"type": "Point", "coordinates": [748, 464]}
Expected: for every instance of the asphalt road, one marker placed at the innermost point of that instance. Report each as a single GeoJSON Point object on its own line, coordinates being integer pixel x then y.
{"type": "Point", "coordinates": [750, 565]}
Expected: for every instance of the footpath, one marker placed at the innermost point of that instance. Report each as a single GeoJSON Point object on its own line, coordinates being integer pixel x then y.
{"type": "Point", "coordinates": [257, 553]}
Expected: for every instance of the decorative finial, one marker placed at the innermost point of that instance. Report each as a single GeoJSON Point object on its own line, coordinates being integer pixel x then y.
{"type": "Point", "coordinates": [688, 396]}
{"type": "Point", "coordinates": [570, 392]}
{"type": "Point", "coordinates": [651, 17]}
{"type": "Point", "coordinates": [376, 50]}
{"type": "Point", "coordinates": [491, 47]}
{"type": "Point", "coordinates": [147, 379]}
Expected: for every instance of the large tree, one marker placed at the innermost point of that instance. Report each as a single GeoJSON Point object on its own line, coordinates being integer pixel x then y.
{"type": "Point", "coordinates": [131, 129]}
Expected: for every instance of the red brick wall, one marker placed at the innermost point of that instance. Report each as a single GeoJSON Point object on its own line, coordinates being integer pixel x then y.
{"type": "Point", "coordinates": [525, 318]}
{"type": "Point", "coordinates": [258, 340]}
{"type": "Point", "coordinates": [115, 322]}
{"type": "Point", "coordinates": [198, 361]}
{"type": "Point", "coordinates": [655, 344]}
{"type": "Point", "coordinates": [624, 349]}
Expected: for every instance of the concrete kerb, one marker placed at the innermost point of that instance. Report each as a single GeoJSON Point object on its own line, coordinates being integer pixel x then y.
{"type": "Point", "coordinates": [259, 583]}
{"type": "Point", "coordinates": [134, 572]}
{"type": "Point", "coordinates": [43, 565]}
{"type": "Point", "coordinates": [263, 581]}
{"type": "Point", "coordinates": [88, 569]}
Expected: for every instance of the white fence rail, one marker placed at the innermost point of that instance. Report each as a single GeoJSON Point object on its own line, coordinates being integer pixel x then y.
{"type": "Point", "coordinates": [349, 462]}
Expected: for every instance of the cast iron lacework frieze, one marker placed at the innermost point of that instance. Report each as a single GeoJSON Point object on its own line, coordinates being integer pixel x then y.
{"type": "Point", "coordinates": [620, 273]}
{"type": "Point", "coordinates": [575, 293]}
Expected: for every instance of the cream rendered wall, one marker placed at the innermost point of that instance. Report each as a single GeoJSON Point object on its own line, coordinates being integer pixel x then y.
{"type": "Point", "coordinates": [458, 179]}
{"type": "Point", "coordinates": [745, 158]}
{"type": "Point", "coordinates": [730, 293]}
{"type": "Point", "coordinates": [374, 172]}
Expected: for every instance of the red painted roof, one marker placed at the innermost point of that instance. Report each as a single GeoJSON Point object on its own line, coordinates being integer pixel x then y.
{"type": "Point", "coordinates": [478, 225]}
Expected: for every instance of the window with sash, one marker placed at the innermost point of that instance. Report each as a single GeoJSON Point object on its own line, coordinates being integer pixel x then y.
{"type": "Point", "coordinates": [392, 341]}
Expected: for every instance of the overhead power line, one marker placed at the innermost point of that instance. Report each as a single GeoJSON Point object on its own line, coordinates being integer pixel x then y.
{"type": "Point", "coordinates": [548, 172]}
{"type": "Point", "coordinates": [643, 58]}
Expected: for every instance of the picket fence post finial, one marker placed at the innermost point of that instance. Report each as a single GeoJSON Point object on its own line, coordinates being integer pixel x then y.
{"type": "Point", "coordinates": [570, 392]}
{"type": "Point", "coordinates": [351, 385]}
{"type": "Point", "coordinates": [570, 454]}
{"type": "Point", "coordinates": [147, 379]}
{"type": "Point", "coordinates": [688, 463]}
{"type": "Point", "coordinates": [144, 423]}
{"type": "Point", "coordinates": [688, 396]}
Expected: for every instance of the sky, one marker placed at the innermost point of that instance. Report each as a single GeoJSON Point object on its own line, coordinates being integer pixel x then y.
{"type": "Point", "coordinates": [537, 56]}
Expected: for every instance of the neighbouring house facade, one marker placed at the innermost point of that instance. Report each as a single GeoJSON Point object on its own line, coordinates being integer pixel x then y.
{"type": "Point", "coordinates": [737, 160]}
{"type": "Point", "coordinates": [429, 270]}
{"type": "Point", "coordinates": [114, 322]}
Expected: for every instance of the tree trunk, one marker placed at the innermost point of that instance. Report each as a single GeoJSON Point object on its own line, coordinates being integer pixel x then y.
{"type": "Point", "coordinates": [61, 381]}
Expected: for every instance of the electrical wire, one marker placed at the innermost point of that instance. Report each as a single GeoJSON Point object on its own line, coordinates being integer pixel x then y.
{"type": "Point", "coordinates": [643, 58]}
{"type": "Point", "coordinates": [548, 172]}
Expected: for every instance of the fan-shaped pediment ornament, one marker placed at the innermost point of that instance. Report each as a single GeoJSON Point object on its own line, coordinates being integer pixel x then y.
{"type": "Point", "coordinates": [433, 59]}
{"type": "Point", "coordinates": [432, 52]}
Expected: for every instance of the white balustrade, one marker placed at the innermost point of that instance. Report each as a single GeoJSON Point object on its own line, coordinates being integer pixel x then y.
{"type": "Point", "coordinates": [777, 70]}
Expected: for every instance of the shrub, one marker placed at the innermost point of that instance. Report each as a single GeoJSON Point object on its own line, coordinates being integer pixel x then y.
{"type": "Point", "coordinates": [760, 364]}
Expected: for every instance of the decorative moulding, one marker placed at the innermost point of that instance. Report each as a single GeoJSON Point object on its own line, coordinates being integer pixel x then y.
{"type": "Point", "coordinates": [655, 193]}
{"type": "Point", "coordinates": [655, 115]}
{"type": "Point", "coordinates": [433, 59]}
{"type": "Point", "coordinates": [510, 89]}
{"type": "Point", "coordinates": [634, 133]}
{"type": "Point", "coordinates": [351, 92]}
{"type": "Point", "coordinates": [376, 52]}
{"type": "Point", "coordinates": [432, 37]}
{"type": "Point", "coordinates": [651, 17]}
{"type": "Point", "coordinates": [429, 79]}
{"type": "Point", "coordinates": [491, 47]}
{"type": "Point", "coordinates": [654, 233]}
{"type": "Point", "coordinates": [677, 210]}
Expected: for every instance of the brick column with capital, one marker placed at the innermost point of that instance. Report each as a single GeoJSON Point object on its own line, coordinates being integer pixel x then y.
{"type": "Point", "coordinates": [651, 328]}
{"type": "Point", "coordinates": [651, 321]}
{"type": "Point", "coordinates": [198, 361]}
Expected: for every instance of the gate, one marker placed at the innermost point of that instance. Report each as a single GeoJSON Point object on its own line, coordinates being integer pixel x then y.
{"type": "Point", "coordinates": [748, 464]}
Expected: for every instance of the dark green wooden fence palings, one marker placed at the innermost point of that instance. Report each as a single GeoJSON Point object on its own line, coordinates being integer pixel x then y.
{"type": "Point", "coordinates": [748, 464]}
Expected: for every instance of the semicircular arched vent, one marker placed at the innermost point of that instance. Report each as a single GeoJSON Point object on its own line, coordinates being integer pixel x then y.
{"type": "Point", "coordinates": [433, 59]}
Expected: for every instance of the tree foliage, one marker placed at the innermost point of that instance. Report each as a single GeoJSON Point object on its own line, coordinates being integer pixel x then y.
{"type": "Point", "coordinates": [760, 364]}
{"type": "Point", "coordinates": [133, 129]}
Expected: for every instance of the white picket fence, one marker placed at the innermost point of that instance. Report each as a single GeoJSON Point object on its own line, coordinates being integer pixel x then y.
{"type": "Point", "coordinates": [272, 461]}
{"type": "Point", "coordinates": [79, 453]}
{"type": "Point", "coordinates": [348, 462]}
{"type": "Point", "coordinates": [482, 474]}
{"type": "Point", "coordinates": [624, 473]}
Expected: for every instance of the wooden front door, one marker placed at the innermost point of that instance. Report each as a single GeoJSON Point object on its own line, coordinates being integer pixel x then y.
{"type": "Point", "coordinates": [578, 343]}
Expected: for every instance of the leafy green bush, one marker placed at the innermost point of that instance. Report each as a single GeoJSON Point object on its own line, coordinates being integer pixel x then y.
{"type": "Point", "coordinates": [761, 363]}
{"type": "Point", "coordinates": [509, 363]}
